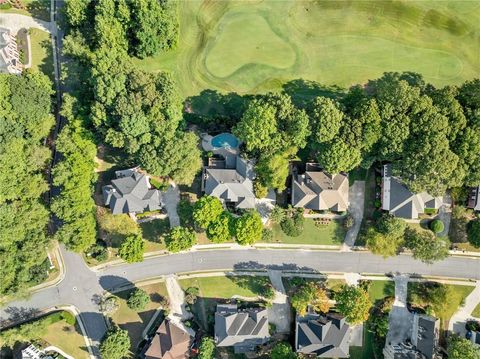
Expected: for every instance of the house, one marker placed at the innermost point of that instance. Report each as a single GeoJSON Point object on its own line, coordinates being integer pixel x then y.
{"type": "Point", "coordinates": [230, 179]}
{"type": "Point", "coordinates": [323, 336]}
{"type": "Point", "coordinates": [243, 329]}
{"type": "Point", "coordinates": [422, 344]}
{"type": "Point", "coordinates": [131, 192]}
{"type": "Point", "coordinates": [399, 201]}
{"type": "Point", "coordinates": [32, 352]}
{"type": "Point", "coordinates": [475, 338]}
{"type": "Point", "coordinates": [9, 54]}
{"type": "Point", "coordinates": [169, 342]}
{"type": "Point", "coordinates": [474, 199]}
{"type": "Point", "coordinates": [319, 190]}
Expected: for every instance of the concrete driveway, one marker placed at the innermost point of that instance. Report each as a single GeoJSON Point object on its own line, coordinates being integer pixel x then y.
{"type": "Point", "coordinates": [279, 312]}
{"type": "Point", "coordinates": [170, 199]}
{"type": "Point", "coordinates": [445, 215]}
{"type": "Point", "coordinates": [356, 196]}
{"type": "Point", "coordinates": [400, 319]}
{"type": "Point", "coordinates": [15, 22]}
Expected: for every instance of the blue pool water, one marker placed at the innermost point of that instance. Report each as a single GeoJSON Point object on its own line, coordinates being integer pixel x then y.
{"type": "Point", "coordinates": [225, 140]}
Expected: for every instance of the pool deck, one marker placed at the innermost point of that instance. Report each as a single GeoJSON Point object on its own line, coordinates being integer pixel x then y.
{"type": "Point", "coordinates": [227, 153]}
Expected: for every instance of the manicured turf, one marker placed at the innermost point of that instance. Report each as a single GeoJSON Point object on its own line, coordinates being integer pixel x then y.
{"type": "Point", "coordinates": [42, 58]}
{"type": "Point", "coordinates": [476, 311]}
{"type": "Point", "coordinates": [39, 9]}
{"type": "Point", "coordinates": [253, 46]}
{"type": "Point", "coordinates": [366, 351]}
{"type": "Point", "coordinates": [380, 289]}
{"type": "Point", "coordinates": [153, 233]}
{"type": "Point", "coordinates": [135, 322]}
{"type": "Point", "coordinates": [68, 338]}
{"type": "Point", "coordinates": [332, 234]}
{"type": "Point", "coordinates": [224, 287]}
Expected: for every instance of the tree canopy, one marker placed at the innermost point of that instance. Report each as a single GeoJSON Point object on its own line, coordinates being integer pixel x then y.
{"type": "Point", "coordinates": [461, 348]}
{"type": "Point", "coordinates": [310, 294]}
{"type": "Point", "coordinates": [248, 228]}
{"type": "Point", "coordinates": [206, 211]}
{"type": "Point", "coordinates": [354, 303]}
{"type": "Point", "coordinates": [207, 348]}
{"type": "Point", "coordinates": [115, 344]}
{"type": "Point", "coordinates": [180, 239]}
{"type": "Point", "coordinates": [132, 249]}
{"type": "Point", "coordinates": [138, 299]}
{"type": "Point", "coordinates": [425, 246]}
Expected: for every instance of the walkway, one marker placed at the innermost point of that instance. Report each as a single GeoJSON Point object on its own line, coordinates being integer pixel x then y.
{"type": "Point", "coordinates": [279, 312]}
{"type": "Point", "coordinates": [15, 22]}
{"type": "Point", "coordinates": [459, 319]}
{"type": "Point", "coordinates": [356, 195]}
{"type": "Point", "coordinates": [178, 309]}
{"type": "Point", "coordinates": [171, 198]}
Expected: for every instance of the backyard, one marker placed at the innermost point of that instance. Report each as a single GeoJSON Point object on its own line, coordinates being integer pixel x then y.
{"type": "Point", "coordinates": [259, 46]}
{"type": "Point", "coordinates": [135, 322]}
{"type": "Point", "coordinates": [42, 57]}
{"type": "Point", "coordinates": [330, 234]}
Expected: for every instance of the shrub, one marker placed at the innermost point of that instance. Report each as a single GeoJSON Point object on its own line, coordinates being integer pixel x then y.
{"type": "Point", "coordinates": [377, 203]}
{"type": "Point", "coordinates": [349, 221]}
{"type": "Point", "coordinates": [430, 211]}
{"type": "Point", "coordinates": [69, 317]}
{"type": "Point", "coordinates": [277, 215]}
{"type": "Point", "coordinates": [191, 294]}
{"type": "Point", "coordinates": [267, 235]}
{"type": "Point", "coordinates": [207, 348]}
{"type": "Point", "coordinates": [99, 252]}
{"type": "Point", "coordinates": [292, 224]}
{"type": "Point", "coordinates": [109, 305]}
{"type": "Point", "coordinates": [260, 190]}
{"type": "Point", "coordinates": [437, 226]}
{"type": "Point", "coordinates": [138, 299]}
{"type": "Point", "coordinates": [474, 233]}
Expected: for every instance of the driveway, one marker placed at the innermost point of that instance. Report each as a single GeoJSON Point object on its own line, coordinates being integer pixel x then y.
{"type": "Point", "coordinates": [178, 310]}
{"type": "Point", "coordinates": [356, 196]}
{"type": "Point", "coordinates": [400, 319]}
{"type": "Point", "coordinates": [279, 313]}
{"type": "Point", "coordinates": [170, 199]}
{"type": "Point", "coordinates": [459, 319]}
{"type": "Point", "coordinates": [15, 22]}
{"type": "Point", "coordinates": [445, 215]}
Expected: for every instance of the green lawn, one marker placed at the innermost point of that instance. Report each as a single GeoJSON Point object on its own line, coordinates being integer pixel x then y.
{"type": "Point", "coordinates": [225, 287]}
{"type": "Point", "coordinates": [42, 57]}
{"type": "Point", "coordinates": [153, 233]}
{"type": "Point", "coordinates": [255, 46]}
{"type": "Point", "coordinates": [39, 9]}
{"type": "Point", "coordinates": [380, 289]}
{"type": "Point", "coordinates": [367, 350]}
{"type": "Point", "coordinates": [68, 338]}
{"type": "Point", "coordinates": [332, 234]}
{"type": "Point", "coordinates": [135, 322]}
{"type": "Point", "coordinates": [476, 311]}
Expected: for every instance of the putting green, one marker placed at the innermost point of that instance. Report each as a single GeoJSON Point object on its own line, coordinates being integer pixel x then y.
{"type": "Point", "coordinates": [254, 44]}
{"type": "Point", "coordinates": [257, 46]}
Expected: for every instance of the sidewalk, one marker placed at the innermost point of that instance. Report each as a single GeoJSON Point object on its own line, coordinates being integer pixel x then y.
{"type": "Point", "coordinates": [459, 319]}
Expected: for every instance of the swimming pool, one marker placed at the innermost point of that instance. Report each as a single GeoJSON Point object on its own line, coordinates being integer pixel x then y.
{"type": "Point", "coordinates": [225, 140]}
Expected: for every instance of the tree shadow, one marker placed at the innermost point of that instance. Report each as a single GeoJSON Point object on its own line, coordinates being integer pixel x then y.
{"type": "Point", "coordinates": [256, 284]}
{"type": "Point", "coordinates": [18, 315]}
{"type": "Point", "coordinates": [252, 265]}
{"type": "Point", "coordinates": [39, 9]}
{"type": "Point", "coordinates": [389, 289]}
{"type": "Point", "coordinates": [113, 283]}
{"type": "Point", "coordinates": [303, 91]}
{"type": "Point", "coordinates": [46, 66]}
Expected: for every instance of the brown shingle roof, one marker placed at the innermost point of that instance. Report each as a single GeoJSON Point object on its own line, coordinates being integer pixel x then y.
{"type": "Point", "coordinates": [169, 342]}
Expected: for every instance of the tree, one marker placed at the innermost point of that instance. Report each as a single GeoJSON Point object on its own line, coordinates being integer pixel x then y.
{"type": "Point", "coordinates": [258, 126]}
{"type": "Point", "coordinates": [206, 211]}
{"type": "Point", "coordinates": [248, 228]}
{"type": "Point", "coordinates": [278, 214]}
{"type": "Point", "coordinates": [180, 239]}
{"type": "Point", "coordinates": [109, 305]}
{"type": "Point", "coordinates": [292, 223]}
{"type": "Point", "coordinates": [388, 224]}
{"type": "Point", "coordinates": [474, 233]}
{"type": "Point", "coordinates": [326, 119]}
{"type": "Point", "coordinates": [76, 11]}
{"type": "Point", "coordinates": [131, 249]}
{"type": "Point", "coordinates": [115, 344]}
{"type": "Point", "coordinates": [437, 226]}
{"type": "Point", "coordinates": [138, 299]}
{"type": "Point", "coordinates": [383, 244]}
{"type": "Point", "coordinates": [221, 230]}
{"type": "Point", "coordinates": [425, 246]}
{"type": "Point", "coordinates": [337, 156]}
{"type": "Point", "coordinates": [354, 303]}
{"type": "Point", "coordinates": [461, 348]}
{"type": "Point", "coordinates": [207, 348]}
{"type": "Point", "coordinates": [282, 351]}
{"type": "Point", "coordinates": [273, 170]}
{"type": "Point", "coordinates": [310, 294]}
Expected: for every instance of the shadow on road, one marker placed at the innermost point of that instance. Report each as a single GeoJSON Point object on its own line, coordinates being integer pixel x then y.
{"type": "Point", "coordinates": [252, 265]}
{"type": "Point", "coordinates": [17, 315]}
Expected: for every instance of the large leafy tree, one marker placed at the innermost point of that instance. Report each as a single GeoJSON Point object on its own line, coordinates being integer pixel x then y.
{"type": "Point", "coordinates": [382, 244]}
{"type": "Point", "coordinates": [248, 228]}
{"type": "Point", "coordinates": [354, 303]}
{"type": "Point", "coordinates": [474, 233]}
{"type": "Point", "coordinates": [461, 348]}
{"type": "Point", "coordinates": [326, 118]}
{"type": "Point", "coordinates": [115, 344]}
{"type": "Point", "coordinates": [338, 156]}
{"type": "Point", "coordinates": [310, 294]}
{"type": "Point", "coordinates": [138, 299]}
{"type": "Point", "coordinates": [206, 211]}
{"type": "Point", "coordinates": [282, 351]}
{"type": "Point", "coordinates": [132, 249]}
{"type": "Point", "coordinates": [222, 229]}
{"type": "Point", "coordinates": [207, 348]}
{"type": "Point", "coordinates": [180, 239]}
{"type": "Point", "coordinates": [425, 246]}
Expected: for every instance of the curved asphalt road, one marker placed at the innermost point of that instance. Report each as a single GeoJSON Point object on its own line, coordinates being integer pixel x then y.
{"type": "Point", "coordinates": [82, 287]}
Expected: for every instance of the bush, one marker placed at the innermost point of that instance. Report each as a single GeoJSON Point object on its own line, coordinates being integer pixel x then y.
{"type": "Point", "coordinates": [69, 317]}
{"type": "Point", "coordinates": [207, 348]}
{"type": "Point", "coordinates": [260, 190]}
{"type": "Point", "coordinates": [377, 203]}
{"type": "Point", "coordinates": [267, 235]}
{"type": "Point", "coordinates": [99, 252]}
{"type": "Point", "coordinates": [109, 305]}
{"type": "Point", "coordinates": [437, 226]}
{"type": "Point", "coordinates": [430, 211]}
{"type": "Point", "coordinates": [459, 225]}
{"type": "Point", "coordinates": [277, 215]}
{"type": "Point", "coordinates": [138, 299]}
{"type": "Point", "coordinates": [474, 233]}
{"type": "Point", "coordinates": [292, 224]}
{"type": "Point", "coordinates": [191, 294]}
{"type": "Point", "coordinates": [349, 221]}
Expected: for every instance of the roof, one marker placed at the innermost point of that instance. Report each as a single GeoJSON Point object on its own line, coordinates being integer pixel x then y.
{"type": "Point", "coordinates": [131, 192]}
{"type": "Point", "coordinates": [169, 342]}
{"type": "Point", "coordinates": [425, 334]}
{"type": "Point", "coordinates": [231, 184]}
{"type": "Point", "coordinates": [319, 190]}
{"type": "Point", "coordinates": [242, 329]}
{"type": "Point", "coordinates": [474, 198]}
{"type": "Point", "coordinates": [400, 201]}
{"type": "Point", "coordinates": [325, 336]}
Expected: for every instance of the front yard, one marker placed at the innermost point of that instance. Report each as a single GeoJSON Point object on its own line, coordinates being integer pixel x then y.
{"type": "Point", "coordinates": [68, 338]}
{"type": "Point", "coordinates": [331, 234]}
{"type": "Point", "coordinates": [135, 322]}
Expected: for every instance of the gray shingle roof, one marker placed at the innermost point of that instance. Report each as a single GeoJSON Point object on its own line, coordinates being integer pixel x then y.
{"type": "Point", "coordinates": [131, 192]}
{"type": "Point", "coordinates": [319, 190]}
{"type": "Point", "coordinates": [242, 329]}
{"type": "Point", "coordinates": [400, 201]}
{"type": "Point", "coordinates": [425, 334]}
{"type": "Point", "coordinates": [325, 336]}
{"type": "Point", "coordinates": [231, 184]}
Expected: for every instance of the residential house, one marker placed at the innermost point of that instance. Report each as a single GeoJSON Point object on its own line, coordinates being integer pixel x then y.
{"type": "Point", "coordinates": [422, 344]}
{"type": "Point", "coordinates": [399, 201]}
{"type": "Point", "coordinates": [323, 336]}
{"type": "Point", "coordinates": [169, 342]}
{"type": "Point", "coordinates": [32, 352]}
{"type": "Point", "coordinates": [475, 338]}
{"type": "Point", "coordinates": [474, 199]}
{"type": "Point", "coordinates": [319, 190]}
{"type": "Point", "coordinates": [230, 179]}
{"type": "Point", "coordinates": [244, 329]}
{"type": "Point", "coordinates": [131, 192]}
{"type": "Point", "coordinates": [9, 54]}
